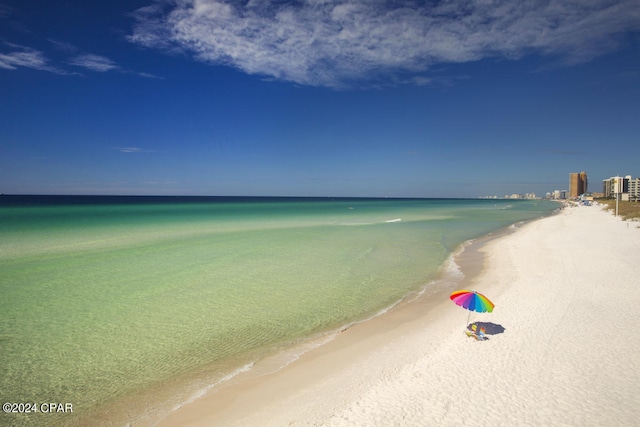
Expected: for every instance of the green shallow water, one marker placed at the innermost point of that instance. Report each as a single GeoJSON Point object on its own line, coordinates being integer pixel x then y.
{"type": "Point", "coordinates": [111, 297]}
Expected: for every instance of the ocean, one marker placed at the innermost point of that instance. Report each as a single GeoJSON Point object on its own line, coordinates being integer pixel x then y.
{"type": "Point", "coordinates": [125, 308]}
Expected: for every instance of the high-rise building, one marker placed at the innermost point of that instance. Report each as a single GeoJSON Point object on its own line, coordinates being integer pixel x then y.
{"type": "Point", "coordinates": [634, 189]}
{"type": "Point", "coordinates": [616, 185]}
{"type": "Point", "coordinates": [577, 184]}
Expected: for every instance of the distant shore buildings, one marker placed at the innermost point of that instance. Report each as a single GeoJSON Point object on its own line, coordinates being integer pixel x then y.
{"type": "Point", "coordinates": [527, 196]}
{"type": "Point", "coordinates": [628, 188]}
{"type": "Point", "coordinates": [577, 184]}
{"type": "Point", "coordinates": [557, 195]}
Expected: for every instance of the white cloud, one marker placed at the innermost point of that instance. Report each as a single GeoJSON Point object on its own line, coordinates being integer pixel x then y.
{"type": "Point", "coordinates": [94, 63]}
{"type": "Point", "coordinates": [150, 76]}
{"type": "Point", "coordinates": [133, 150]}
{"type": "Point", "coordinates": [14, 60]}
{"type": "Point", "coordinates": [27, 58]}
{"type": "Point", "coordinates": [16, 56]}
{"type": "Point", "coordinates": [333, 42]}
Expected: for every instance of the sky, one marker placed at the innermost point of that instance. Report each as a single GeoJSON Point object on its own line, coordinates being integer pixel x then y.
{"type": "Point", "coordinates": [343, 98]}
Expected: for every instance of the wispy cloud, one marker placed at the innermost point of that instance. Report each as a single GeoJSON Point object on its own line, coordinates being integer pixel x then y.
{"type": "Point", "coordinates": [333, 42]}
{"type": "Point", "coordinates": [93, 62]}
{"type": "Point", "coordinates": [133, 150]}
{"type": "Point", "coordinates": [14, 56]}
{"type": "Point", "coordinates": [26, 57]}
{"type": "Point", "coordinates": [150, 76]}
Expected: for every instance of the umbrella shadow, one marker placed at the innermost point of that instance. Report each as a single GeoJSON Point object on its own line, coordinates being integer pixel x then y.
{"type": "Point", "coordinates": [489, 328]}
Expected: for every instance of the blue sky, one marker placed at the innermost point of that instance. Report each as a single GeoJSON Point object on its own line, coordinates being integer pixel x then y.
{"type": "Point", "coordinates": [317, 98]}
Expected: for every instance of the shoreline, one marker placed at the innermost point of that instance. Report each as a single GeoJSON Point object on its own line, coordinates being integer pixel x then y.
{"type": "Point", "coordinates": [364, 335]}
{"type": "Point", "coordinates": [152, 405]}
{"type": "Point", "coordinates": [363, 375]}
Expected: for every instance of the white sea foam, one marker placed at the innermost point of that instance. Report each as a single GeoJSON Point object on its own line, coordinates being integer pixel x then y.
{"type": "Point", "coordinates": [202, 391]}
{"type": "Point", "coordinates": [452, 269]}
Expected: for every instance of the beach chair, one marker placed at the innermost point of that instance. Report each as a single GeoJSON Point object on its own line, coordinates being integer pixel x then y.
{"type": "Point", "coordinates": [481, 334]}
{"type": "Point", "coordinates": [477, 334]}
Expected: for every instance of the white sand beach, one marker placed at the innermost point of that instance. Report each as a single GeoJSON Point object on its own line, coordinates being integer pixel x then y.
{"type": "Point", "coordinates": [563, 346]}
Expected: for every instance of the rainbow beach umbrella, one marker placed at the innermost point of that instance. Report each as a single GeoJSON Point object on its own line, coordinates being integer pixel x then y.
{"type": "Point", "coordinates": [472, 301]}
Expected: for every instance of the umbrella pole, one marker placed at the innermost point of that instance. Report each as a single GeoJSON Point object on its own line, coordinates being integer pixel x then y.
{"type": "Point", "coordinates": [468, 317]}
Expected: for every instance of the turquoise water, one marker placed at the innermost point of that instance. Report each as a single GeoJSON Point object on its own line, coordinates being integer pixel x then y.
{"type": "Point", "coordinates": [106, 299]}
